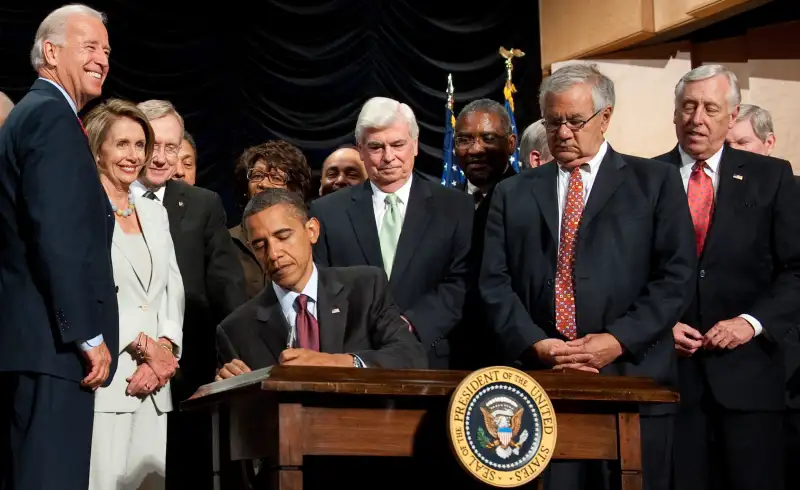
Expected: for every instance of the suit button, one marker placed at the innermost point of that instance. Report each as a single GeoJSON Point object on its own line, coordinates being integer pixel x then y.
{"type": "Point", "coordinates": [116, 289]}
{"type": "Point", "coordinates": [549, 283]}
{"type": "Point", "coordinates": [143, 307]}
{"type": "Point", "coordinates": [702, 273]}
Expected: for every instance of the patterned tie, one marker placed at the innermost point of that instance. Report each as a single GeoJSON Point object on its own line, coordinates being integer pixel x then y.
{"type": "Point", "coordinates": [701, 202]}
{"type": "Point", "coordinates": [306, 325]}
{"type": "Point", "coordinates": [390, 233]}
{"type": "Point", "coordinates": [565, 273]}
{"type": "Point", "coordinates": [151, 195]}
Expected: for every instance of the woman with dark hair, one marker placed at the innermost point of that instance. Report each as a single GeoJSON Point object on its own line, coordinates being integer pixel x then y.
{"type": "Point", "coordinates": [274, 164]}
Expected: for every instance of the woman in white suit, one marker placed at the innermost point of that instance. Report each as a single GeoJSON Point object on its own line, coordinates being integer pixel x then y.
{"type": "Point", "coordinates": [130, 424]}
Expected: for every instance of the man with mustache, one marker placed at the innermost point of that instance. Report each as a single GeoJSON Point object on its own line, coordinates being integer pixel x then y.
{"type": "Point", "coordinates": [59, 325]}
{"type": "Point", "coordinates": [588, 263]}
{"type": "Point", "coordinates": [746, 214]}
{"type": "Point", "coordinates": [484, 144]}
{"type": "Point", "coordinates": [418, 231]}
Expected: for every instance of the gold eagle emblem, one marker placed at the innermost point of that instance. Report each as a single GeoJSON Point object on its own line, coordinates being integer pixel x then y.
{"type": "Point", "coordinates": [495, 425]}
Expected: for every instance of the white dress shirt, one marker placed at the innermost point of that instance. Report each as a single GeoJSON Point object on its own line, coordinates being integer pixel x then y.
{"type": "Point", "coordinates": [588, 172]}
{"type": "Point", "coordinates": [139, 189]}
{"type": "Point", "coordinates": [712, 170]}
{"type": "Point", "coordinates": [379, 205]}
{"type": "Point", "coordinates": [91, 343]}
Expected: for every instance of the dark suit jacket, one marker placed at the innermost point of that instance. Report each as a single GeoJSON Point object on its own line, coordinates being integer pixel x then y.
{"type": "Point", "coordinates": [212, 276]}
{"type": "Point", "coordinates": [634, 264]}
{"type": "Point", "coordinates": [56, 281]}
{"type": "Point", "coordinates": [750, 264]}
{"type": "Point", "coordinates": [368, 323]}
{"type": "Point", "coordinates": [429, 275]}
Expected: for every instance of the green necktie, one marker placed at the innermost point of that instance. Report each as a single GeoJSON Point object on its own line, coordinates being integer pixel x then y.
{"type": "Point", "coordinates": [390, 233]}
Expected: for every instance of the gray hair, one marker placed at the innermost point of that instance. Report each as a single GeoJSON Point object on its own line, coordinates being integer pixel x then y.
{"type": "Point", "coordinates": [570, 75]}
{"type": "Point", "coordinates": [54, 28]}
{"type": "Point", "coordinates": [155, 109]}
{"type": "Point", "coordinates": [709, 71]}
{"type": "Point", "coordinates": [760, 119]}
{"type": "Point", "coordinates": [534, 138]}
{"type": "Point", "coordinates": [490, 106]}
{"type": "Point", "coordinates": [382, 112]}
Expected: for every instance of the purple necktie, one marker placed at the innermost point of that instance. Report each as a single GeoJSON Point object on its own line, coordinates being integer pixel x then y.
{"type": "Point", "coordinates": [306, 325]}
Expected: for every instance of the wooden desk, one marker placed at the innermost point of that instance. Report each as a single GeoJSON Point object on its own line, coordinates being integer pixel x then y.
{"type": "Point", "coordinates": [281, 414]}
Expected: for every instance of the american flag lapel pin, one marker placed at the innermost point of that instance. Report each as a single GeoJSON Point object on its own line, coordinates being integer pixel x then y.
{"type": "Point", "coordinates": [180, 204]}
{"type": "Point", "coordinates": [738, 177]}
{"type": "Point", "coordinates": [335, 310]}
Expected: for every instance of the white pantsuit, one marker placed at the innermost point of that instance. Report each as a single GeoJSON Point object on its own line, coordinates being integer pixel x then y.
{"type": "Point", "coordinates": [130, 434]}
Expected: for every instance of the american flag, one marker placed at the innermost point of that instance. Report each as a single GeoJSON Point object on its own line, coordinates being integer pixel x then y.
{"type": "Point", "coordinates": [452, 175]}
{"type": "Point", "coordinates": [508, 94]}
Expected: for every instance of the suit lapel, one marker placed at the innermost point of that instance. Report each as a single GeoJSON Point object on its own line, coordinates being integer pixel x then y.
{"type": "Point", "coordinates": [414, 224]}
{"type": "Point", "coordinates": [544, 191]}
{"type": "Point", "coordinates": [362, 218]}
{"type": "Point", "coordinates": [118, 236]}
{"type": "Point", "coordinates": [273, 327]}
{"type": "Point", "coordinates": [174, 201]}
{"type": "Point", "coordinates": [609, 176]}
{"type": "Point", "coordinates": [729, 190]}
{"type": "Point", "coordinates": [148, 230]}
{"type": "Point", "coordinates": [331, 312]}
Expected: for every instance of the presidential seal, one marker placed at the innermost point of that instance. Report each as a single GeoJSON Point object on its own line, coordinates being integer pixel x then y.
{"type": "Point", "coordinates": [502, 426]}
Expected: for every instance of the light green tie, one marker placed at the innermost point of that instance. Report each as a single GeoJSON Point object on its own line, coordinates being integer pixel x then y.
{"type": "Point", "coordinates": [390, 233]}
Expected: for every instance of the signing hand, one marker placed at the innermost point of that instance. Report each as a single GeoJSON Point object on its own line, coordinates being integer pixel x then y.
{"type": "Point", "coordinates": [143, 382]}
{"type": "Point", "coordinates": [595, 350]}
{"type": "Point", "coordinates": [98, 365]}
{"type": "Point", "coordinates": [159, 356]}
{"type": "Point", "coordinates": [547, 348]}
{"type": "Point", "coordinates": [305, 357]}
{"type": "Point", "coordinates": [729, 334]}
{"type": "Point", "coordinates": [231, 369]}
{"type": "Point", "coordinates": [687, 339]}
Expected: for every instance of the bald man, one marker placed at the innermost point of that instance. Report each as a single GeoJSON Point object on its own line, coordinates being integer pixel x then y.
{"type": "Point", "coordinates": [5, 107]}
{"type": "Point", "coordinates": [341, 169]}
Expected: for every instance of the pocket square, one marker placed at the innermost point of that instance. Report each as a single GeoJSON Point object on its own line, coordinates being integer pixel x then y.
{"type": "Point", "coordinates": [335, 310]}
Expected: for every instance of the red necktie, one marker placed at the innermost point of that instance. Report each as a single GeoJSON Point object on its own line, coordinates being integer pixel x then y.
{"type": "Point", "coordinates": [306, 325]}
{"type": "Point", "coordinates": [565, 273]}
{"type": "Point", "coordinates": [701, 202]}
{"type": "Point", "coordinates": [83, 128]}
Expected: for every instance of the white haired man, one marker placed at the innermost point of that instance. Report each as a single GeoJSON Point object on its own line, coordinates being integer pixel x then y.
{"type": "Point", "coordinates": [533, 149]}
{"type": "Point", "coordinates": [59, 326]}
{"type": "Point", "coordinates": [6, 105]}
{"type": "Point", "coordinates": [588, 263]}
{"type": "Point", "coordinates": [745, 210]}
{"type": "Point", "coordinates": [417, 231]}
{"type": "Point", "coordinates": [752, 130]}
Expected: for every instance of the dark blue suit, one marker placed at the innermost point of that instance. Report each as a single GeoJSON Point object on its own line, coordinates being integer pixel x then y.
{"type": "Point", "coordinates": [56, 290]}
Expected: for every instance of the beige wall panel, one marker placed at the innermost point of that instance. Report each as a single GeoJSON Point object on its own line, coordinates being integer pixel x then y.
{"type": "Point", "coordinates": [644, 83]}
{"type": "Point", "coordinates": [670, 13]}
{"type": "Point", "coordinates": [705, 8]}
{"type": "Point", "coordinates": [571, 29]}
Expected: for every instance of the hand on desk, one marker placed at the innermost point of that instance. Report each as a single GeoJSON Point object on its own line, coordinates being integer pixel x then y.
{"type": "Point", "coordinates": [305, 357]}
{"type": "Point", "coordinates": [231, 369]}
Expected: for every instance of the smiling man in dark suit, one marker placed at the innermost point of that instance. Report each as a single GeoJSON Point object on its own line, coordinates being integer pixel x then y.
{"type": "Point", "coordinates": [746, 215]}
{"type": "Point", "coordinates": [59, 326]}
{"type": "Point", "coordinates": [309, 315]}
{"type": "Point", "coordinates": [588, 263]}
{"type": "Point", "coordinates": [417, 231]}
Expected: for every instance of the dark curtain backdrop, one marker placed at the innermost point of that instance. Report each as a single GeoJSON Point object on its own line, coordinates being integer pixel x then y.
{"type": "Point", "coordinates": [242, 73]}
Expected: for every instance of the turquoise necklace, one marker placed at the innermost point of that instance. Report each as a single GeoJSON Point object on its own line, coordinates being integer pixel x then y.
{"type": "Point", "coordinates": [124, 212]}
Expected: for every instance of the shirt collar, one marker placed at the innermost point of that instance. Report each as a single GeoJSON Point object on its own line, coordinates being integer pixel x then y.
{"type": "Point", "coordinates": [713, 162]}
{"type": "Point", "coordinates": [286, 297]}
{"type": "Point", "coordinates": [593, 165]}
{"type": "Point", "coordinates": [401, 193]}
{"type": "Point", "coordinates": [64, 92]}
{"type": "Point", "coordinates": [139, 189]}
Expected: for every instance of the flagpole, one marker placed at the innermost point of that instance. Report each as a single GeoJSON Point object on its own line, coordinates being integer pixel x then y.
{"type": "Point", "coordinates": [508, 93]}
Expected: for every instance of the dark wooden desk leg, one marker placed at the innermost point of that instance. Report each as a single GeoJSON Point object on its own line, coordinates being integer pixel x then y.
{"type": "Point", "coordinates": [630, 451]}
{"type": "Point", "coordinates": [215, 445]}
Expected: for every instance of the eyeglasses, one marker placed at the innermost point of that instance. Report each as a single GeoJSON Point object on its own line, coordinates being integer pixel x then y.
{"type": "Point", "coordinates": [572, 124]}
{"type": "Point", "coordinates": [488, 139]}
{"type": "Point", "coordinates": [274, 178]}
{"type": "Point", "coordinates": [170, 149]}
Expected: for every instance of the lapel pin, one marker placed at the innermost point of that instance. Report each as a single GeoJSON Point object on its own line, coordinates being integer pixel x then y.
{"type": "Point", "coordinates": [738, 177]}
{"type": "Point", "coordinates": [180, 204]}
{"type": "Point", "coordinates": [335, 310]}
